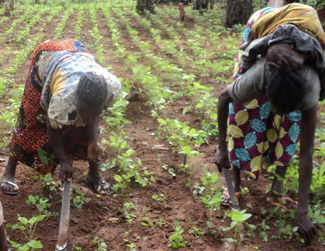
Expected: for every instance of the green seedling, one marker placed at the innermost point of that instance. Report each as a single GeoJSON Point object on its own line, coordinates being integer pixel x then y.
{"type": "Point", "coordinates": [41, 204]}
{"type": "Point", "coordinates": [289, 231]}
{"type": "Point", "coordinates": [198, 190]}
{"type": "Point", "coordinates": [212, 203]}
{"type": "Point", "coordinates": [196, 232]}
{"type": "Point", "coordinates": [238, 218]}
{"type": "Point", "coordinates": [131, 246]}
{"type": "Point", "coordinates": [171, 171]}
{"type": "Point", "coordinates": [317, 216]}
{"type": "Point", "coordinates": [122, 182]}
{"type": "Point", "coordinates": [27, 227]}
{"type": "Point", "coordinates": [146, 222]}
{"type": "Point", "coordinates": [211, 198]}
{"type": "Point", "coordinates": [264, 236]}
{"type": "Point", "coordinates": [79, 198]}
{"type": "Point", "coordinates": [188, 154]}
{"type": "Point", "coordinates": [175, 241]}
{"type": "Point", "coordinates": [76, 248]}
{"type": "Point", "coordinates": [32, 245]}
{"type": "Point", "coordinates": [145, 209]}
{"type": "Point", "coordinates": [148, 177]}
{"type": "Point", "coordinates": [101, 245]}
{"type": "Point", "coordinates": [159, 197]}
{"type": "Point", "coordinates": [126, 210]}
{"type": "Point", "coordinates": [160, 223]}
{"type": "Point", "coordinates": [208, 179]}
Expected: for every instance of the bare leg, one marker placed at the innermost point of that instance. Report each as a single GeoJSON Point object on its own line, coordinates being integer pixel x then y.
{"type": "Point", "coordinates": [277, 185]}
{"type": "Point", "coordinates": [277, 190]}
{"type": "Point", "coordinates": [100, 185]}
{"type": "Point", "coordinates": [9, 175]}
{"type": "Point", "coordinates": [3, 238]}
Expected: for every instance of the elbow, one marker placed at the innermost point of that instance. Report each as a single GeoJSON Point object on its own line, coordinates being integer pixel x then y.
{"type": "Point", "coordinates": [224, 98]}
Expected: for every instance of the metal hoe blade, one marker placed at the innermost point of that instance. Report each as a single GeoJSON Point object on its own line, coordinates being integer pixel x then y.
{"type": "Point", "coordinates": [231, 189]}
{"type": "Point", "coordinates": [233, 197]}
{"type": "Point", "coordinates": [64, 220]}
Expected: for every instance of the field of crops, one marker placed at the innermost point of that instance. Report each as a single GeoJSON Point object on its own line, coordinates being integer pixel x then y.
{"type": "Point", "coordinates": [158, 149]}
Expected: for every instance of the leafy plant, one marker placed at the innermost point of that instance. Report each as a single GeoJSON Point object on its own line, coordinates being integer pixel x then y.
{"type": "Point", "coordinates": [175, 240]}
{"type": "Point", "coordinates": [238, 218]}
{"type": "Point", "coordinates": [27, 227]}
{"type": "Point", "coordinates": [146, 222]}
{"type": "Point", "coordinates": [42, 204]}
{"type": "Point", "coordinates": [289, 231]}
{"type": "Point", "coordinates": [195, 231]}
{"type": "Point", "coordinates": [101, 246]}
{"type": "Point", "coordinates": [79, 198]}
{"type": "Point", "coordinates": [212, 197]}
{"type": "Point", "coordinates": [47, 182]}
{"type": "Point", "coordinates": [131, 246]}
{"type": "Point", "coordinates": [158, 197]}
{"type": "Point", "coordinates": [126, 210]}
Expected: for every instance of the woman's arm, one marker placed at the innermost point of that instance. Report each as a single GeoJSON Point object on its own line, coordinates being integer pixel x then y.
{"type": "Point", "coordinates": [307, 135]}
{"type": "Point", "coordinates": [222, 159]}
{"type": "Point", "coordinates": [94, 148]}
{"type": "Point", "coordinates": [56, 142]}
{"type": "Point", "coordinates": [92, 130]}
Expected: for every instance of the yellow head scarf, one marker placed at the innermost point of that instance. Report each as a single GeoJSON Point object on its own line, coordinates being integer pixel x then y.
{"type": "Point", "coordinates": [301, 15]}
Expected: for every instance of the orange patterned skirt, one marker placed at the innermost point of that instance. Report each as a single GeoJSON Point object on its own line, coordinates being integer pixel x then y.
{"type": "Point", "coordinates": [29, 143]}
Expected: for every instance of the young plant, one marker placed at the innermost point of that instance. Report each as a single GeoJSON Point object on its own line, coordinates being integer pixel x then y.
{"type": "Point", "coordinates": [158, 197]}
{"type": "Point", "coordinates": [131, 246]}
{"type": "Point", "coordinates": [126, 210]}
{"type": "Point", "coordinates": [146, 222]}
{"type": "Point", "coordinates": [238, 219]}
{"type": "Point", "coordinates": [289, 231]}
{"type": "Point", "coordinates": [79, 199]}
{"type": "Point", "coordinates": [46, 182]}
{"type": "Point", "coordinates": [122, 183]}
{"type": "Point", "coordinates": [41, 204]}
{"type": "Point", "coordinates": [27, 227]}
{"type": "Point", "coordinates": [175, 241]}
{"type": "Point", "coordinates": [101, 246]}
{"type": "Point", "coordinates": [212, 197]}
{"type": "Point", "coordinates": [195, 231]}
{"type": "Point", "coordinates": [160, 223]}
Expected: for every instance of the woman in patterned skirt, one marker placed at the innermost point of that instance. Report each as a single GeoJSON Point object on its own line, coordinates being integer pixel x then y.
{"type": "Point", "coordinates": [275, 102]}
{"type": "Point", "coordinates": [65, 93]}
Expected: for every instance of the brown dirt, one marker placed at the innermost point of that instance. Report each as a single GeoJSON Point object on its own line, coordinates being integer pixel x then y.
{"type": "Point", "coordinates": [102, 216]}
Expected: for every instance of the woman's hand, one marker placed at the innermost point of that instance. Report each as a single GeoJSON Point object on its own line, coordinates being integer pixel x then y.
{"type": "Point", "coordinates": [306, 228]}
{"type": "Point", "coordinates": [222, 159]}
{"type": "Point", "coordinates": [95, 152]}
{"type": "Point", "coordinates": [66, 172]}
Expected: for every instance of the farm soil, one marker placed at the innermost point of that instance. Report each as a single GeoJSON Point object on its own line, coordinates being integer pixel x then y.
{"type": "Point", "coordinates": [102, 216]}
